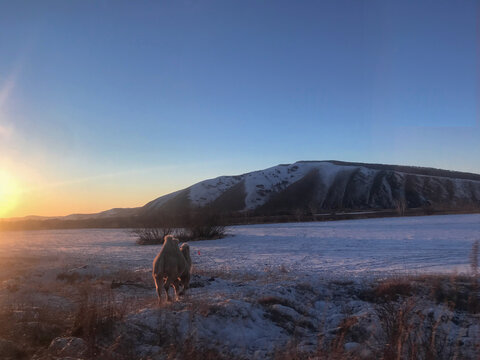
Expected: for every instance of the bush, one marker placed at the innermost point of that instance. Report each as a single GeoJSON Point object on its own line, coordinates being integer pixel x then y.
{"type": "Point", "coordinates": [393, 289]}
{"type": "Point", "coordinates": [193, 226]}
{"type": "Point", "coordinates": [396, 320]}
{"type": "Point", "coordinates": [203, 227]}
{"type": "Point", "coordinates": [95, 318]}
{"type": "Point", "coordinates": [154, 229]}
{"type": "Point", "coordinates": [151, 236]}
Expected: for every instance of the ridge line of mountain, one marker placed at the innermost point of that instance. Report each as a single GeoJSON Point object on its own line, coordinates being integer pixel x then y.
{"type": "Point", "coordinates": [337, 184]}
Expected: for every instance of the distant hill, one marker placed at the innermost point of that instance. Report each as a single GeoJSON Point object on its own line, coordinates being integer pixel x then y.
{"type": "Point", "coordinates": [316, 186]}
{"type": "Point", "coordinates": [305, 187]}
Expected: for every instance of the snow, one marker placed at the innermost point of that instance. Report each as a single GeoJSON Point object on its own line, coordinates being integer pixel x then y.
{"type": "Point", "coordinates": [260, 185]}
{"type": "Point", "coordinates": [350, 247]}
{"type": "Point", "coordinates": [207, 191]}
{"type": "Point", "coordinates": [252, 291]}
{"type": "Point", "coordinates": [158, 202]}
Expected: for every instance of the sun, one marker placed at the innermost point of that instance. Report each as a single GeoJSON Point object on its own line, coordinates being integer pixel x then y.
{"type": "Point", "coordinates": [8, 193]}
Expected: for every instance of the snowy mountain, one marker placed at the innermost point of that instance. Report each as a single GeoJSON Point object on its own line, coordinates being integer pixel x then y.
{"type": "Point", "coordinates": [308, 187]}
{"type": "Point", "coordinates": [315, 186]}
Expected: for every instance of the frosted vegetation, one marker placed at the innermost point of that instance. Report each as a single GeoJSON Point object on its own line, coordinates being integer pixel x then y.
{"type": "Point", "coordinates": [377, 288]}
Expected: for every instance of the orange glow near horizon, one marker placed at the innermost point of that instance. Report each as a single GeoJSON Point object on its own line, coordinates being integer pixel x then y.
{"type": "Point", "coordinates": [48, 202]}
{"type": "Point", "coordinates": [9, 193]}
{"type": "Point", "coordinates": [39, 196]}
{"type": "Point", "coordinates": [61, 202]}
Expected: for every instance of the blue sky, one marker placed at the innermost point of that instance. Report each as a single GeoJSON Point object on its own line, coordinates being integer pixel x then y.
{"type": "Point", "coordinates": [112, 103]}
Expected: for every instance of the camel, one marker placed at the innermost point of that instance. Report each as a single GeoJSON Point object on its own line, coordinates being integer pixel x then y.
{"type": "Point", "coordinates": [169, 265]}
{"type": "Point", "coordinates": [185, 277]}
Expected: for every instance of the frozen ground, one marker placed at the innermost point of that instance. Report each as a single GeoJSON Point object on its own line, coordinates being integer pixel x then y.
{"type": "Point", "coordinates": [350, 248]}
{"type": "Point", "coordinates": [261, 292]}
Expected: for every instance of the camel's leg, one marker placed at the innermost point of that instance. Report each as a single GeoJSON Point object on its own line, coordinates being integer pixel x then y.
{"type": "Point", "coordinates": [184, 281]}
{"type": "Point", "coordinates": [176, 286]}
{"type": "Point", "coordinates": [155, 278]}
{"type": "Point", "coordinates": [167, 284]}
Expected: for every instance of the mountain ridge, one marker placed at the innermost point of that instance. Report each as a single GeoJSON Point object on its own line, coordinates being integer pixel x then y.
{"type": "Point", "coordinates": [310, 186]}
{"type": "Point", "coordinates": [338, 185]}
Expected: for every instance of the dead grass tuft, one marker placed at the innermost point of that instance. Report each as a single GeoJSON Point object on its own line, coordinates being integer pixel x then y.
{"type": "Point", "coordinates": [191, 349]}
{"type": "Point", "coordinates": [272, 300]}
{"type": "Point", "coordinates": [393, 289]}
{"type": "Point", "coordinates": [30, 327]}
{"type": "Point", "coordinates": [96, 315]}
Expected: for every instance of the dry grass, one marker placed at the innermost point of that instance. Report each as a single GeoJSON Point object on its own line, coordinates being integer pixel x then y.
{"type": "Point", "coordinates": [393, 289]}
{"type": "Point", "coordinates": [457, 292]}
{"type": "Point", "coordinates": [34, 313]}
{"type": "Point", "coordinates": [192, 349]}
{"type": "Point", "coordinates": [96, 315]}
{"type": "Point", "coordinates": [31, 327]}
{"type": "Point", "coordinates": [17, 266]}
{"type": "Point", "coordinates": [398, 327]}
{"type": "Point", "coordinates": [331, 348]}
{"type": "Point", "coordinates": [398, 303]}
{"type": "Point", "coordinates": [407, 333]}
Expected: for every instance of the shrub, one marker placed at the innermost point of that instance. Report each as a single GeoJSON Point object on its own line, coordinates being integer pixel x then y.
{"type": "Point", "coordinates": [154, 229]}
{"type": "Point", "coordinates": [96, 315]}
{"type": "Point", "coordinates": [390, 289]}
{"type": "Point", "coordinates": [393, 289]}
{"type": "Point", "coordinates": [203, 227]}
{"type": "Point", "coordinates": [151, 236]}
{"type": "Point", "coordinates": [396, 320]}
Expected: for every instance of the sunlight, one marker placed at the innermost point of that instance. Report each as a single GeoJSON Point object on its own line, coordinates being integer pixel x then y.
{"type": "Point", "coordinates": [8, 193]}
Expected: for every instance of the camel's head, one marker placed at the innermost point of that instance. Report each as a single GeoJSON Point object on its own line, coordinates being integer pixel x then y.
{"type": "Point", "coordinates": [170, 239]}
{"type": "Point", "coordinates": [185, 249]}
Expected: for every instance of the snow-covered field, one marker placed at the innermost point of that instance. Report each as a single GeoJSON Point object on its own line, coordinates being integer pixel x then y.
{"type": "Point", "coordinates": [347, 248]}
{"type": "Point", "coordinates": [255, 292]}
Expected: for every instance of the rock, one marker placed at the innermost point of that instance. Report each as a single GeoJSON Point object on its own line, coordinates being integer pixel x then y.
{"type": "Point", "coordinates": [287, 312]}
{"type": "Point", "coordinates": [351, 346]}
{"type": "Point", "coordinates": [9, 350]}
{"type": "Point", "coordinates": [321, 306]}
{"type": "Point", "coordinates": [68, 347]}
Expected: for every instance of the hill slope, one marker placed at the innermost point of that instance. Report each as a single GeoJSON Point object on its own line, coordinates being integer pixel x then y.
{"type": "Point", "coordinates": [314, 186]}
{"type": "Point", "coordinates": [305, 187]}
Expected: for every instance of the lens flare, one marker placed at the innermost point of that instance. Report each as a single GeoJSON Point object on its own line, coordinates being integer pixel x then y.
{"type": "Point", "coordinates": [8, 193]}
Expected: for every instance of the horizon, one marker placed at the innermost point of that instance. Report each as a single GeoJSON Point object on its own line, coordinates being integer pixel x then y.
{"type": "Point", "coordinates": [346, 163]}
{"type": "Point", "coordinates": [111, 105]}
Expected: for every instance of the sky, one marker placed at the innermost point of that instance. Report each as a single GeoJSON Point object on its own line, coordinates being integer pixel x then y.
{"type": "Point", "coordinates": [113, 103]}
